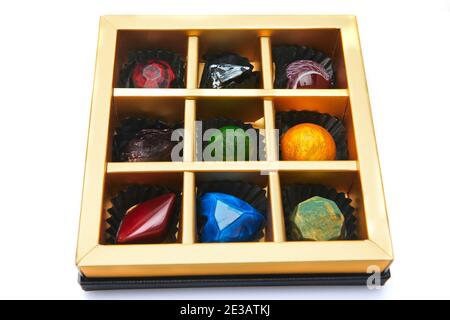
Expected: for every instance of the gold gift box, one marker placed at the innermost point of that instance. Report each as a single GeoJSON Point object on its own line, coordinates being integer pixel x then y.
{"type": "Point", "coordinates": [251, 36]}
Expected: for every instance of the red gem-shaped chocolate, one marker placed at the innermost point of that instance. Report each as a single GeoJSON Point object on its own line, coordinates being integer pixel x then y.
{"type": "Point", "coordinates": [148, 222]}
{"type": "Point", "coordinates": [307, 74]}
{"type": "Point", "coordinates": [153, 74]}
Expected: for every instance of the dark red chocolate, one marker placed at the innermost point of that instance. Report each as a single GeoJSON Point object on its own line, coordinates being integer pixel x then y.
{"type": "Point", "coordinates": [153, 74]}
{"type": "Point", "coordinates": [148, 222]}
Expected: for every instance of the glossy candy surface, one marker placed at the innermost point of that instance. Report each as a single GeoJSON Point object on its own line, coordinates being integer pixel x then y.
{"type": "Point", "coordinates": [153, 74]}
{"type": "Point", "coordinates": [228, 70]}
{"type": "Point", "coordinates": [317, 219]}
{"type": "Point", "coordinates": [228, 219]}
{"type": "Point", "coordinates": [307, 74]}
{"type": "Point", "coordinates": [223, 73]}
{"type": "Point", "coordinates": [147, 222]}
{"type": "Point", "coordinates": [149, 145]}
{"type": "Point", "coordinates": [307, 141]}
{"type": "Point", "coordinates": [236, 143]}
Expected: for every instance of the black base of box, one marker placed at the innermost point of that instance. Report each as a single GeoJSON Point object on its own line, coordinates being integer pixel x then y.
{"type": "Point", "coordinates": [353, 279]}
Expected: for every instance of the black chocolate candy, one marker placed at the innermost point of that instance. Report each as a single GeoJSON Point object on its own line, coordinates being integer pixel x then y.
{"type": "Point", "coordinates": [149, 145]}
{"type": "Point", "coordinates": [228, 70]}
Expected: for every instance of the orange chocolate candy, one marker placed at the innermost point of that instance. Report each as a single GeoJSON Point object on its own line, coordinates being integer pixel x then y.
{"type": "Point", "coordinates": [307, 141]}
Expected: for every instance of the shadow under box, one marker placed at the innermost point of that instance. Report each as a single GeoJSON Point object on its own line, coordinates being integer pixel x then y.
{"type": "Point", "coordinates": [135, 40]}
{"type": "Point", "coordinates": [335, 106]}
{"type": "Point", "coordinates": [346, 182]}
{"type": "Point", "coordinates": [249, 111]}
{"type": "Point", "coordinates": [114, 183]}
{"type": "Point", "coordinates": [202, 178]}
{"type": "Point", "coordinates": [166, 109]}
{"type": "Point", "coordinates": [242, 42]}
{"type": "Point", "coordinates": [328, 41]}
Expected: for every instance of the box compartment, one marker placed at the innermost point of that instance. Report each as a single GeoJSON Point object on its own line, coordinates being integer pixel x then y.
{"type": "Point", "coordinates": [328, 41]}
{"type": "Point", "coordinates": [166, 109]}
{"type": "Point", "coordinates": [248, 110]}
{"type": "Point", "coordinates": [346, 182]}
{"type": "Point", "coordinates": [335, 106]}
{"type": "Point", "coordinates": [119, 181]}
{"type": "Point", "coordinates": [134, 40]}
{"type": "Point", "coordinates": [242, 42]}
{"type": "Point", "coordinates": [250, 177]}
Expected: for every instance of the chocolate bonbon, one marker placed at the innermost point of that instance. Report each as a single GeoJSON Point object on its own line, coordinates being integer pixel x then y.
{"type": "Point", "coordinates": [317, 219]}
{"type": "Point", "coordinates": [307, 141]}
{"type": "Point", "coordinates": [299, 66]}
{"type": "Point", "coordinates": [153, 74]}
{"type": "Point", "coordinates": [228, 70]}
{"type": "Point", "coordinates": [147, 222]}
{"type": "Point", "coordinates": [149, 145]}
{"type": "Point", "coordinates": [322, 198]}
{"type": "Point", "coordinates": [156, 68]}
{"type": "Point", "coordinates": [236, 143]}
{"type": "Point", "coordinates": [228, 219]}
{"type": "Point", "coordinates": [334, 125]}
{"type": "Point", "coordinates": [307, 74]}
{"type": "Point", "coordinates": [225, 139]}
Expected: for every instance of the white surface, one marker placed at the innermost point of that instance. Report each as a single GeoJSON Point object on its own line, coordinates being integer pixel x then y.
{"type": "Point", "coordinates": [47, 61]}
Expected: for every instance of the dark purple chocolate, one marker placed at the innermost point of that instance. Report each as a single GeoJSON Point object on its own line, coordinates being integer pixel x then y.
{"type": "Point", "coordinates": [149, 145]}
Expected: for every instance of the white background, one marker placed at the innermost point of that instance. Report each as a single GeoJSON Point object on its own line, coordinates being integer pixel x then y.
{"type": "Point", "coordinates": [47, 56]}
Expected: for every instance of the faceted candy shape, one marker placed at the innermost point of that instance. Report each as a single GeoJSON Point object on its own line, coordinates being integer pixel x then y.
{"type": "Point", "coordinates": [307, 74]}
{"type": "Point", "coordinates": [317, 219]}
{"type": "Point", "coordinates": [239, 137]}
{"type": "Point", "coordinates": [307, 141]}
{"type": "Point", "coordinates": [153, 74]}
{"type": "Point", "coordinates": [148, 222]}
{"type": "Point", "coordinates": [228, 70]}
{"type": "Point", "coordinates": [229, 219]}
{"type": "Point", "coordinates": [149, 145]}
{"type": "Point", "coordinates": [224, 72]}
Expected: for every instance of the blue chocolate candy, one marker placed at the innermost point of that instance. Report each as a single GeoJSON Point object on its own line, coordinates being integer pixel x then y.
{"type": "Point", "coordinates": [229, 219]}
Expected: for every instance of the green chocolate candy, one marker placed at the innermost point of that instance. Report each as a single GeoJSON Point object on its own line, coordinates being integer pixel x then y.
{"type": "Point", "coordinates": [316, 219]}
{"type": "Point", "coordinates": [239, 136]}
